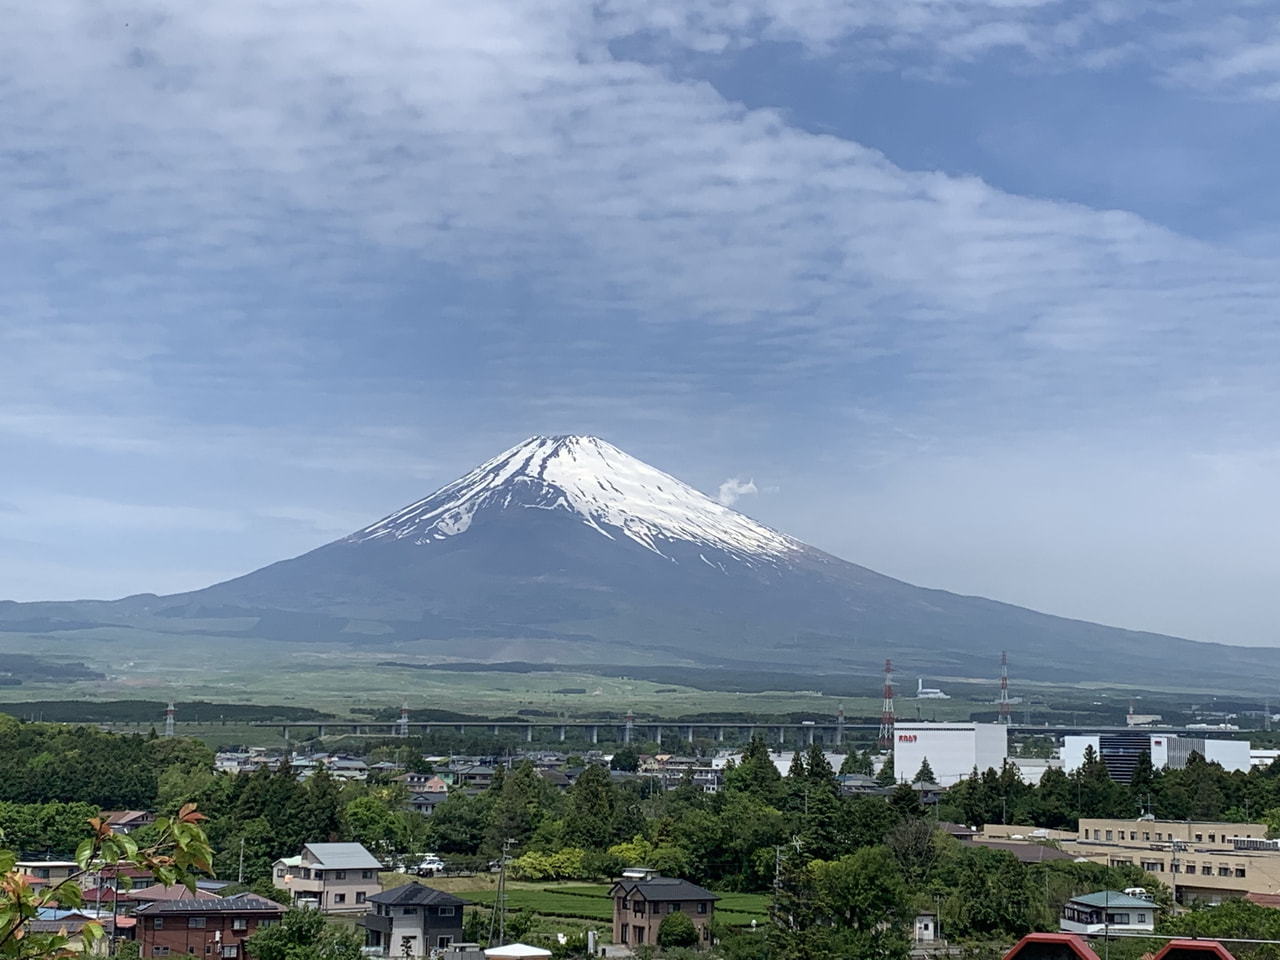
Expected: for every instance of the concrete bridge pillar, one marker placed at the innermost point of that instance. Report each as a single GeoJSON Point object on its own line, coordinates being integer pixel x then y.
{"type": "Point", "coordinates": [319, 729]}
{"type": "Point", "coordinates": [809, 736]}
{"type": "Point", "coordinates": [690, 732]}
{"type": "Point", "coordinates": [782, 735]}
{"type": "Point", "coordinates": [720, 734]}
{"type": "Point", "coordinates": [493, 729]}
{"type": "Point", "coordinates": [657, 735]}
{"type": "Point", "coordinates": [560, 732]}
{"type": "Point", "coordinates": [528, 734]}
{"type": "Point", "coordinates": [595, 733]}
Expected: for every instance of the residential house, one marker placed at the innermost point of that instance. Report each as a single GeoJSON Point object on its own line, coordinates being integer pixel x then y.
{"type": "Point", "coordinates": [71, 924]}
{"type": "Point", "coordinates": [333, 877]}
{"type": "Point", "coordinates": [426, 803]}
{"type": "Point", "coordinates": [639, 904]}
{"type": "Point", "coordinates": [209, 927]}
{"type": "Point", "coordinates": [1108, 912]}
{"type": "Point", "coordinates": [47, 873]}
{"type": "Point", "coordinates": [126, 821]}
{"type": "Point", "coordinates": [422, 782]}
{"type": "Point", "coordinates": [413, 918]}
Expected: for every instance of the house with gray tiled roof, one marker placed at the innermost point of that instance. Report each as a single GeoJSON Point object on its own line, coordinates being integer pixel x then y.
{"type": "Point", "coordinates": [640, 903]}
{"type": "Point", "coordinates": [333, 877]}
{"type": "Point", "coordinates": [413, 917]}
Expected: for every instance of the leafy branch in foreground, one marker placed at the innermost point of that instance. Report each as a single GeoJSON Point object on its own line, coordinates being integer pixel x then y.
{"type": "Point", "coordinates": [179, 855]}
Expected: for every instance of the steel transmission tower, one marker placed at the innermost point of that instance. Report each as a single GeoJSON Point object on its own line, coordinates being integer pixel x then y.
{"type": "Point", "coordinates": [1004, 687]}
{"type": "Point", "coordinates": [886, 714]}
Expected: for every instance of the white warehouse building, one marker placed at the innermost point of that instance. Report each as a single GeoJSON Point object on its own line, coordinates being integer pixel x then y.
{"type": "Point", "coordinates": [952, 749]}
{"type": "Point", "coordinates": [1120, 752]}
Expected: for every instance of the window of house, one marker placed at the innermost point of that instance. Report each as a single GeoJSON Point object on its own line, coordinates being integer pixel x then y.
{"type": "Point", "coordinates": [675, 907]}
{"type": "Point", "coordinates": [1213, 838]}
{"type": "Point", "coordinates": [1097, 834]}
{"type": "Point", "coordinates": [706, 933]}
{"type": "Point", "coordinates": [1206, 870]}
{"type": "Point", "coordinates": [443, 942]}
{"type": "Point", "coordinates": [195, 923]}
{"type": "Point", "coordinates": [157, 923]}
{"type": "Point", "coordinates": [191, 949]}
{"type": "Point", "coordinates": [1160, 836]}
{"type": "Point", "coordinates": [626, 904]}
{"type": "Point", "coordinates": [1133, 834]}
{"type": "Point", "coordinates": [1199, 837]}
{"type": "Point", "coordinates": [1108, 834]}
{"type": "Point", "coordinates": [1118, 918]}
{"type": "Point", "coordinates": [366, 874]}
{"type": "Point", "coordinates": [280, 871]}
{"type": "Point", "coordinates": [408, 911]}
{"type": "Point", "coordinates": [266, 922]}
{"type": "Point", "coordinates": [239, 923]}
{"type": "Point", "coordinates": [155, 951]}
{"type": "Point", "coordinates": [359, 896]}
{"type": "Point", "coordinates": [637, 908]}
{"type": "Point", "coordinates": [339, 898]}
{"type": "Point", "coordinates": [702, 908]}
{"type": "Point", "coordinates": [208, 949]}
{"type": "Point", "coordinates": [339, 874]}
{"type": "Point", "coordinates": [625, 928]}
{"type": "Point", "coordinates": [1146, 834]}
{"type": "Point", "coordinates": [639, 935]}
{"type": "Point", "coordinates": [230, 950]}
{"type": "Point", "coordinates": [446, 911]}
{"type": "Point", "coordinates": [1224, 871]}
{"type": "Point", "coordinates": [319, 875]}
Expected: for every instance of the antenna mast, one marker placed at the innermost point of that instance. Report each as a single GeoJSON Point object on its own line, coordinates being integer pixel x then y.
{"type": "Point", "coordinates": [1004, 687]}
{"type": "Point", "coordinates": [886, 714]}
{"type": "Point", "coordinates": [168, 720]}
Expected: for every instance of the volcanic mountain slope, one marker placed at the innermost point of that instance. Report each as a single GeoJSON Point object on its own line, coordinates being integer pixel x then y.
{"type": "Point", "coordinates": [567, 549]}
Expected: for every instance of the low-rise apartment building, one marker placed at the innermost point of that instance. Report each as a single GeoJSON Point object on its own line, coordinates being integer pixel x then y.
{"type": "Point", "coordinates": [333, 877]}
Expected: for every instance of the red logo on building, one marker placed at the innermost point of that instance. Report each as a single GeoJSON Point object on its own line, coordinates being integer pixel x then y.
{"type": "Point", "coordinates": [906, 738]}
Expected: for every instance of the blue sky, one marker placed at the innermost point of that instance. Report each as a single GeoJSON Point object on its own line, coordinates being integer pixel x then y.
{"type": "Point", "coordinates": [980, 293]}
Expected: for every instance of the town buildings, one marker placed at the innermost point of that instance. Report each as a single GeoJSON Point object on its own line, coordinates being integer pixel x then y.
{"type": "Point", "coordinates": [640, 903]}
{"type": "Point", "coordinates": [209, 927]}
{"type": "Point", "coordinates": [954, 750]}
{"type": "Point", "coordinates": [412, 920]}
{"type": "Point", "coordinates": [334, 877]}
{"type": "Point", "coordinates": [1108, 912]}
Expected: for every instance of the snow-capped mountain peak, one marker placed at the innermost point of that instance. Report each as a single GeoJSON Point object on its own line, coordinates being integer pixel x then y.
{"type": "Point", "coordinates": [613, 493]}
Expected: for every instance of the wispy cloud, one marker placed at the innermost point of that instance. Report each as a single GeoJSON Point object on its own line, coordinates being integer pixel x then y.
{"type": "Point", "coordinates": [356, 244]}
{"type": "Point", "coordinates": [734, 489]}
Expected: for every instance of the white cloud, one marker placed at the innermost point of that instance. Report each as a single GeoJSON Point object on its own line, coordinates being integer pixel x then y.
{"type": "Point", "coordinates": [734, 488]}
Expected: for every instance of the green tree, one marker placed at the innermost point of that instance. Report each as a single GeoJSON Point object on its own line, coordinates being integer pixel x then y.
{"type": "Point", "coordinates": [304, 935]}
{"type": "Point", "coordinates": [857, 762]}
{"type": "Point", "coordinates": [626, 758]}
{"type": "Point", "coordinates": [757, 775]}
{"type": "Point", "coordinates": [886, 777]}
{"type": "Point", "coordinates": [677, 930]}
{"type": "Point", "coordinates": [925, 773]}
{"type": "Point", "coordinates": [592, 810]}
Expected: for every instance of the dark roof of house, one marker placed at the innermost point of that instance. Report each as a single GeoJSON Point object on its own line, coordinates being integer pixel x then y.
{"type": "Point", "coordinates": [664, 888]}
{"type": "Point", "coordinates": [240, 903]}
{"type": "Point", "coordinates": [418, 894]}
{"type": "Point", "coordinates": [1027, 852]}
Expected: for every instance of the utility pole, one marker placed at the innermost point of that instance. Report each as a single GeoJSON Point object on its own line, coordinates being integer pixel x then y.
{"type": "Point", "coordinates": [499, 915]}
{"type": "Point", "coordinates": [1004, 687]}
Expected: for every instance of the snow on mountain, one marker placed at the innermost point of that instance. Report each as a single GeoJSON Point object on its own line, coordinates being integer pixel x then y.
{"type": "Point", "coordinates": [611, 492]}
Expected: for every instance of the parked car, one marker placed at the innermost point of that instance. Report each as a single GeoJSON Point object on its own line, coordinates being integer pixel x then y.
{"type": "Point", "coordinates": [430, 865]}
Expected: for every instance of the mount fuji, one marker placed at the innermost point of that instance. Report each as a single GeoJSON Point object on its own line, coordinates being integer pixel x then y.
{"type": "Point", "coordinates": [565, 549]}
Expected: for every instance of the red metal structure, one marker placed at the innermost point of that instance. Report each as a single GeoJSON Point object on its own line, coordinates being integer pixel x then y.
{"type": "Point", "coordinates": [886, 714]}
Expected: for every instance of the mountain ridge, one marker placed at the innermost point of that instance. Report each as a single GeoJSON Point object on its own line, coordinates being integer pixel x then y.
{"type": "Point", "coordinates": [566, 549]}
